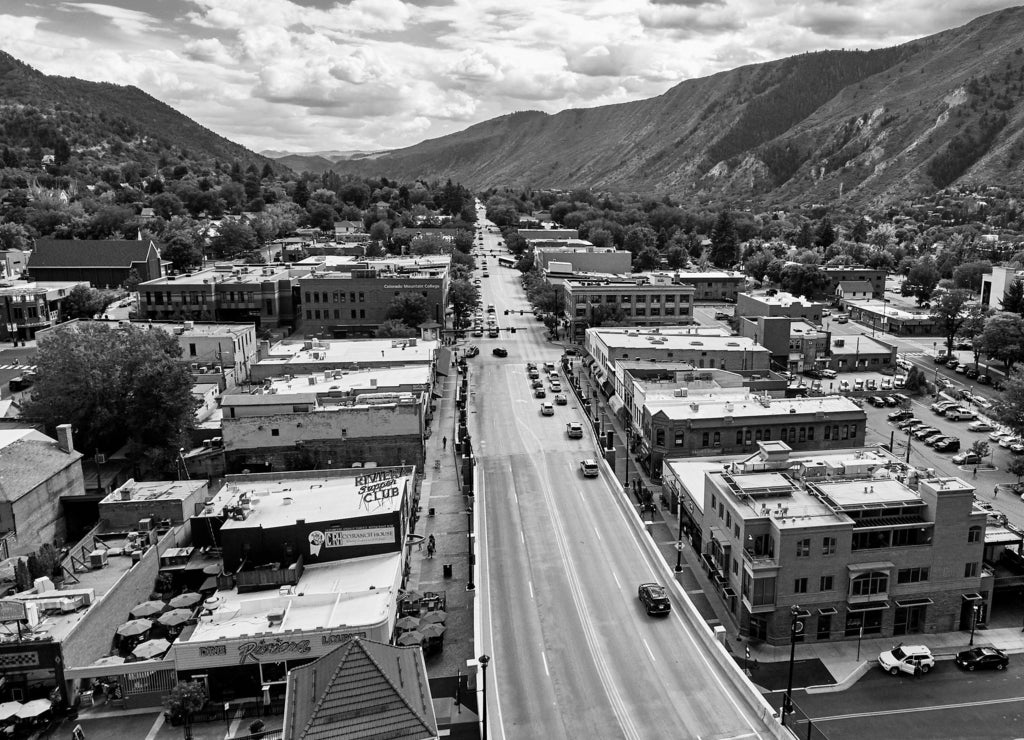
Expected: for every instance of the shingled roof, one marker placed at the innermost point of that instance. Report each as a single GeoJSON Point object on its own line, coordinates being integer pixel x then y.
{"type": "Point", "coordinates": [28, 459]}
{"type": "Point", "coordinates": [361, 690]}
{"type": "Point", "coordinates": [90, 252]}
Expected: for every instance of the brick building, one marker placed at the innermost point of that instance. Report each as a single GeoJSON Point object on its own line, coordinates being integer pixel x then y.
{"type": "Point", "coordinates": [778, 303]}
{"type": "Point", "coordinates": [103, 263]}
{"type": "Point", "coordinates": [856, 273]}
{"type": "Point", "coordinates": [29, 307]}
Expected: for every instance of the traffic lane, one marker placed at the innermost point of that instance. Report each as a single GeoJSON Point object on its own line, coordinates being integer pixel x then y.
{"type": "Point", "coordinates": [947, 702]}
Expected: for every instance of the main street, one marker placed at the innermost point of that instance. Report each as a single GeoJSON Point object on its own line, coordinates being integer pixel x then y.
{"type": "Point", "coordinates": [573, 652]}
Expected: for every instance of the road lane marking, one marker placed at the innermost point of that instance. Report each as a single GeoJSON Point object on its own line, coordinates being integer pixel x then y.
{"type": "Point", "coordinates": [545, 659]}
{"type": "Point", "coordinates": [616, 580]}
{"type": "Point", "coordinates": [649, 651]}
{"type": "Point", "coordinates": [597, 532]}
{"type": "Point", "coordinates": [530, 584]}
{"type": "Point", "coordinates": [522, 537]}
{"type": "Point", "coordinates": [931, 708]}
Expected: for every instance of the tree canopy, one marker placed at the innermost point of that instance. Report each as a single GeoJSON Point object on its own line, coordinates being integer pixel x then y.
{"type": "Point", "coordinates": [950, 309]}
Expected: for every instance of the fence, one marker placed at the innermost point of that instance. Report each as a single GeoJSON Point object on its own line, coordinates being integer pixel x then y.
{"type": "Point", "coordinates": [801, 725]}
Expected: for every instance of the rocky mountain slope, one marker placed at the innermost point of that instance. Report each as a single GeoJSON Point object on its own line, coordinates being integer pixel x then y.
{"type": "Point", "coordinates": [866, 127]}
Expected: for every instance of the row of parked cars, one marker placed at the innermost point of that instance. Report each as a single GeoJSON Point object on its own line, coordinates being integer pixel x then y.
{"type": "Point", "coordinates": [963, 368]}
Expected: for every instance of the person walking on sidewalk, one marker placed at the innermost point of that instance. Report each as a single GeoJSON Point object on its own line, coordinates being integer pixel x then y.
{"type": "Point", "coordinates": [430, 546]}
{"type": "Point", "coordinates": [444, 443]}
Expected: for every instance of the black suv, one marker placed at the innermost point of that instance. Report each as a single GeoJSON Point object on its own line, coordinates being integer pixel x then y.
{"type": "Point", "coordinates": [654, 598]}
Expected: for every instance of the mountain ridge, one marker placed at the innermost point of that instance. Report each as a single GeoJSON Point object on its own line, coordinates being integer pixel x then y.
{"type": "Point", "coordinates": [864, 126]}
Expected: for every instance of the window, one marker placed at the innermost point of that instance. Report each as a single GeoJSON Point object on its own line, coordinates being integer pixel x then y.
{"type": "Point", "coordinates": [739, 436]}
{"type": "Point", "coordinates": [718, 438]}
{"type": "Point", "coordinates": [659, 437]}
{"type": "Point", "coordinates": [309, 297]}
{"type": "Point", "coordinates": [800, 586]}
{"type": "Point", "coordinates": [810, 434]}
{"type": "Point", "coordinates": [678, 442]}
{"type": "Point", "coordinates": [846, 431]}
{"type": "Point", "coordinates": [764, 592]}
{"type": "Point", "coordinates": [853, 430]}
{"type": "Point", "coordinates": [736, 530]}
{"type": "Point", "coordinates": [869, 584]}
{"type": "Point", "coordinates": [362, 297]}
{"type": "Point", "coordinates": [971, 570]}
{"type": "Point", "coordinates": [728, 519]}
{"type": "Point", "coordinates": [714, 502]}
{"type": "Point", "coordinates": [824, 626]}
{"type": "Point", "coordinates": [362, 313]}
{"type": "Point", "coordinates": [353, 313]}
{"type": "Point", "coordinates": [911, 575]}
{"type": "Point", "coordinates": [803, 434]}
{"type": "Point", "coordinates": [275, 432]}
{"type": "Point", "coordinates": [191, 349]}
{"type": "Point", "coordinates": [803, 548]}
{"type": "Point", "coordinates": [735, 566]}
{"type": "Point", "coordinates": [309, 314]}
{"type": "Point", "coordinates": [974, 534]}
{"type": "Point", "coordinates": [828, 546]}
{"type": "Point", "coordinates": [826, 583]}
{"type": "Point", "coordinates": [704, 439]}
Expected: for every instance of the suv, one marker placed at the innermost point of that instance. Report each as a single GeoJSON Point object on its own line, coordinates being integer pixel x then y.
{"type": "Point", "coordinates": [574, 430]}
{"type": "Point", "coordinates": [906, 659]}
{"type": "Point", "coordinates": [589, 468]}
{"type": "Point", "coordinates": [828, 373]}
{"type": "Point", "coordinates": [654, 598]}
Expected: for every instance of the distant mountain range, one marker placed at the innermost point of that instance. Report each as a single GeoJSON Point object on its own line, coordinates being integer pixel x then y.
{"type": "Point", "coordinates": [104, 124]}
{"type": "Point", "coordinates": [315, 162]}
{"type": "Point", "coordinates": [868, 127]}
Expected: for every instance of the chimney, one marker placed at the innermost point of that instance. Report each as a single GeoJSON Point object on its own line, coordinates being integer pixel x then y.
{"type": "Point", "coordinates": [65, 441]}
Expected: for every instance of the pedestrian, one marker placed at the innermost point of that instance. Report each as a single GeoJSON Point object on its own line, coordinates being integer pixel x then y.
{"type": "Point", "coordinates": [444, 443]}
{"type": "Point", "coordinates": [995, 492]}
{"type": "Point", "coordinates": [974, 473]}
{"type": "Point", "coordinates": [431, 546]}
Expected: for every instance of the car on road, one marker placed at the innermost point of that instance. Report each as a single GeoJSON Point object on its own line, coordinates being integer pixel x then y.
{"type": "Point", "coordinates": [828, 373]}
{"type": "Point", "coordinates": [966, 458]}
{"type": "Point", "coordinates": [556, 386]}
{"type": "Point", "coordinates": [981, 658]}
{"type": "Point", "coordinates": [972, 372]}
{"type": "Point", "coordinates": [984, 379]}
{"type": "Point", "coordinates": [561, 400]}
{"type": "Point", "coordinates": [499, 352]}
{"type": "Point", "coordinates": [538, 383]}
{"type": "Point", "coordinates": [654, 598]}
{"type": "Point", "coordinates": [493, 333]}
{"type": "Point", "coordinates": [721, 315]}
{"type": "Point", "coordinates": [478, 331]}
{"type": "Point", "coordinates": [534, 375]}
{"type": "Point", "coordinates": [589, 468]}
{"type": "Point", "coordinates": [904, 364]}
{"type": "Point", "coordinates": [842, 318]}
{"type": "Point", "coordinates": [906, 659]}
{"type": "Point", "coordinates": [546, 409]}
{"type": "Point", "coordinates": [980, 426]}
{"type": "Point", "coordinates": [540, 393]}
{"type": "Point", "coordinates": [950, 444]}
{"type": "Point", "coordinates": [574, 430]}
{"type": "Point", "coordinates": [900, 415]}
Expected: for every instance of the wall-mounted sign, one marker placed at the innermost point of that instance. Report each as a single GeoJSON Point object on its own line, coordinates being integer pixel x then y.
{"type": "Point", "coordinates": [376, 489]}
{"type": "Point", "coordinates": [350, 537]}
{"type": "Point", "coordinates": [12, 611]}
{"type": "Point", "coordinates": [253, 650]}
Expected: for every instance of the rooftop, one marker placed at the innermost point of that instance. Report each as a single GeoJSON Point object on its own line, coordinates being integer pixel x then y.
{"type": "Point", "coordinates": [705, 338]}
{"type": "Point", "coordinates": [159, 490]}
{"type": "Point", "coordinates": [714, 407]}
{"type": "Point", "coordinates": [28, 459]}
{"type": "Point", "coordinates": [340, 594]}
{"type": "Point", "coordinates": [780, 298]}
{"type": "Point", "coordinates": [858, 345]}
{"type": "Point", "coordinates": [350, 352]}
{"type": "Point", "coordinates": [859, 494]}
{"type": "Point", "coordinates": [886, 309]}
{"type": "Point", "coordinates": [227, 273]}
{"type": "Point", "coordinates": [348, 382]}
{"type": "Point", "coordinates": [775, 495]}
{"type": "Point", "coordinates": [20, 287]}
{"type": "Point", "coordinates": [862, 286]}
{"type": "Point", "coordinates": [280, 500]}
{"type": "Point", "coordinates": [187, 328]}
{"type": "Point", "coordinates": [803, 329]}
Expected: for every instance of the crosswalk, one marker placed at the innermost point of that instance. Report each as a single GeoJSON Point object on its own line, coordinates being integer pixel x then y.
{"type": "Point", "coordinates": [17, 366]}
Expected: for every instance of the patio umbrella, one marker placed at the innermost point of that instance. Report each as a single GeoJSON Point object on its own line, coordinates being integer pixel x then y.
{"type": "Point", "coordinates": [431, 631]}
{"type": "Point", "coordinates": [134, 627]}
{"type": "Point", "coordinates": [9, 709]}
{"type": "Point", "coordinates": [148, 609]}
{"type": "Point", "coordinates": [407, 623]}
{"type": "Point", "coordinates": [410, 596]}
{"type": "Point", "coordinates": [175, 617]}
{"type": "Point", "coordinates": [435, 617]}
{"type": "Point", "coordinates": [185, 600]}
{"type": "Point", "coordinates": [413, 637]}
{"type": "Point", "coordinates": [110, 660]}
{"type": "Point", "coordinates": [211, 570]}
{"type": "Point", "coordinates": [151, 649]}
{"type": "Point", "coordinates": [34, 708]}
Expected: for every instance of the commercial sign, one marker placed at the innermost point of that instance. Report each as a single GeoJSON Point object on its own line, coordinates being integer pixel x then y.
{"type": "Point", "coordinates": [11, 611]}
{"type": "Point", "coordinates": [252, 650]}
{"type": "Point", "coordinates": [350, 537]}
{"type": "Point", "coordinates": [376, 489]}
{"type": "Point", "coordinates": [411, 285]}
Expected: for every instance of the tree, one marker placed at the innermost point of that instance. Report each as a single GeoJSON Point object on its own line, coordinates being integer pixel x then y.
{"type": "Point", "coordinates": [1016, 468]}
{"type": "Point", "coordinates": [412, 310]}
{"type": "Point", "coordinates": [804, 280]}
{"type": "Point", "coordinates": [1003, 338]}
{"type": "Point", "coordinates": [922, 279]}
{"type": "Point", "coordinates": [826, 233]}
{"type": "Point", "coordinates": [648, 259]}
{"type": "Point", "coordinates": [116, 386]}
{"type": "Point", "coordinates": [185, 699]}
{"type": "Point", "coordinates": [430, 244]}
{"type": "Point", "coordinates": [13, 236]}
{"type": "Point", "coordinates": [83, 302]}
{"type": "Point", "coordinates": [968, 275]}
{"type": "Point", "coordinates": [603, 314]}
{"type": "Point", "coordinates": [393, 328]}
{"type": "Point", "coordinates": [949, 310]}
{"type": "Point", "coordinates": [1013, 298]}
{"type": "Point", "coordinates": [131, 283]}
{"type": "Point", "coordinates": [973, 325]}
{"type": "Point", "coordinates": [601, 238]}
{"type": "Point", "coordinates": [676, 257]}
{"type": "Point", "coordinates": [724, 244]}
{"type": "Point", "coordinates": [981, 448]}
{"type": "Point", "coordinates": [917, 382]}
{"type": "Point", "coordinates": [639, 238]}
{"type": "Point", "coordinates": [462, 295]}
{"type": "Point", "coordinates": [380, 232]}
{"type": "Point", "coordinates": [233, 238]}
{"type": "Point", "coordinates": [1009, 409]}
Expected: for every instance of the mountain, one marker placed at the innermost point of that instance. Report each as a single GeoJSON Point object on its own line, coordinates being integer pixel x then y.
{"type": "Point", "coordinates": [315, 162]}
{"type": "Point", "coordinates": [102, 124]}
{"type": "Point", "coordinates": [865, 126]}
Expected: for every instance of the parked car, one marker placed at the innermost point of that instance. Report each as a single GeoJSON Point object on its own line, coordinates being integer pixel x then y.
{"type": "Point", "coordinates": [721, 315]}
{"type": "Point", "coordinates": [886, 384]}
{"type": "Point", "coordinates": [901, 399]}
{"type": "Point", "coordinates": [936, 439]}
{"type": "Point", "coordinates": [910, 423]}
{"type": "Point", "coordinates": [876, 401]}
{"type": "Point", "coordinates": [959, 414]}
{"type": "Point", "coordinates": [907, 659]}
{"type": "Point", "coordinates": [925, 434]}
{"type": "Point", "coordinates": [972, 372]}
{"type": "Point", "coordinates": [1009, 441]}
{"type": "Point", "coordinates": [964, 344]}
{"type": "Point", "coordinates": [966, 458]}
{"type": "Point", "coordinates": [950, 444]}
{"type": "Point", "coordinates": [871, 385]}
{"type": "Point", "coordinates": [654, 598]}
{"type": "Point", "coordinates": [858, 385]}
{"type": "Point", "coordinates": [998, 434]}
{"type": "Point", "coordinates": [844, 386]}
{"type": "Point", "coordinates": [900, 415]}
{"type": "Point", "coordinates": [900, 381]}
{"type": "Point", "coordinates": [980, 426]}
{"type": "Point", "coordinates": [984, 379]}
{"type": "Point", "coordinates": [891, 401]}
{"type": "Point", "coordinates": [828, 373]}
{"type": "Point", "coordinates": [814, 373]}
{"type": "Point", "coordinates": [980, 658]}
{"type": "Point", "coordinates": [589, 468]}
{"type": "Point", "coordinates": [952, 364]}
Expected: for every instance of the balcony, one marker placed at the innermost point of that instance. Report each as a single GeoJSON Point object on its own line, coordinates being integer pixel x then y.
{"type": "Point", "coordinates": [759, 562]}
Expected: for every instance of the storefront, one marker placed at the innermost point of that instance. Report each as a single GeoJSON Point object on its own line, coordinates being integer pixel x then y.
{"type": "Point", "coordinates": [30, 670]}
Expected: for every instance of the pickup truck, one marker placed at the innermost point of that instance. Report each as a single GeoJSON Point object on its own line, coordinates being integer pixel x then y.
{"type": "Point", "coordinates": [574, 430]}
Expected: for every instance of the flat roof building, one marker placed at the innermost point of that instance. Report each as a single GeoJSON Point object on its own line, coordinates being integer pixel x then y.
{"type": "Point", "coordinates": [778, 303]}
{"type": "Point", "coordinates": [846, 273]}
{"type": "Point", "coordinates": [316, 356]}
{"type": "Point", "coordinates": [885, 317]}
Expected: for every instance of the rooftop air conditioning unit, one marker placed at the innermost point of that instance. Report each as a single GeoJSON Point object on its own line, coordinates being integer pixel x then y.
{"type": "Point", "coordinates": [97, 559]}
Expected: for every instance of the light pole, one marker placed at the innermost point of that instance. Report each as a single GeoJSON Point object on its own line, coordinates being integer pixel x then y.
{"type": "Point", "coordinates": [974, 622]}
{"type": "Point", "coordinates": [484, 660]}
{"type": "Point", "coordinates": [795, 627]}
{"type": "Point", "coordinates": [679, 544]}
{"type": "Point", "coordinates": [470, 586]}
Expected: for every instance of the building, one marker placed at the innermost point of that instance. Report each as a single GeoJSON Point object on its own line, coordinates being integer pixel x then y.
{"type": "Point", "coordinates": [634, 301]}
{"type": "Point", "coordinates": [847, 273]}
{"type": "Point", "coordinates": [354, 302]}
{"type": "Point", "coordinates": [388, 682]}
{"type": "Point", "coordinates": [885, 317]}
{"type": "Point", "coordinates": [29, 307]}
{"type": "Point", "coordinates": [13, 262]}
{"type": "Point", "coordinates": [695, 427]}
{"type": "Point", "coordinates": [995, 285]}
{"type": "Point", "coordinates": [854, 290]}
{"type": "Point", "coordinates": [548, 234]}
{"type": "Point", "coordinates": [257, 294]}
{"type": "Point", "coordinates": [315, 356]}
{"type": "Point", "coordinates": [584, 257]}
{"type": "Point", "coordinates": [858, 353]}
{"type": "Point", "coordinates": [36, 471]}
{"type": "Point", "coordinates": [292, 428]}
{"type": "Point", "coordinates": [778, 303]}
{"type": "Point", "coordinates": [103, 263]}
{"type": "Point", "coordinates": [840, 536]}
{"type": "Point", "coordinates": [142, 504]}
{"type": "Point", "coordinates": [795, 345]}
{"type": "Point", "coordinates": [714, 286]}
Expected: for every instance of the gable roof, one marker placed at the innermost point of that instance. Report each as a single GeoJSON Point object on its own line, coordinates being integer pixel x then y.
{"type": "Point", "coordinates": [28, 458]}
{"type": "Point", "coordinates": [362, 689]}
{"type": "Point", "coordinates": [90, 252]}
{"type": "Point", "coordinates": [855, 286]}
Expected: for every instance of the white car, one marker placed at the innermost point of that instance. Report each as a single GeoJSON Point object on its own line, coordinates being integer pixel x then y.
{"type": "Point", "coordinates": [906, 659]}
{"type": "Point", "coordinates": [959, 414]}
{"type": "Point", "coordinates": [589, 468]}
{"type": "Point", "coordinates": [828, 373]}
{"type": "Point", "coordinates": [980, 426]}
{"type": "Point", "coordinates": [547, 409]}
{"type": "Point", "coordinates": [844, 386]}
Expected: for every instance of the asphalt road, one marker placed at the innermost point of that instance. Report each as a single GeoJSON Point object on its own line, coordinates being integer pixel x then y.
{"type": "Point", "coordinates": [946, 703]}
{"type": "Point", "coordinates": [573, 653]}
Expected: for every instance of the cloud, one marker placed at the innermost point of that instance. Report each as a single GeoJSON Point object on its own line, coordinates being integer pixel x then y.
{"type": "Point", "coordinates": [125, 20]}
{"type": "Point", "coordinates": [686, 21]}
{"type": "Point", "coordinates": [208, 50]}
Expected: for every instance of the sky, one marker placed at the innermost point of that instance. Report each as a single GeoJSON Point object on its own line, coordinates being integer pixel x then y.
{"type": "Point", "coordinates": [320, 75]}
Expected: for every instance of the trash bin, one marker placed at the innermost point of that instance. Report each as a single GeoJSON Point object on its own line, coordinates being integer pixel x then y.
{"type": "Point", "coordinates": [431, 511]}
{"type": "Point", "coordinates": [446, 569]}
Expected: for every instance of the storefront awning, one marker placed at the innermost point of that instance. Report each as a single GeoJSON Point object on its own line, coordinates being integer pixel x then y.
{"type": "Point", "coordinates": [923, 601]}
{"type": "Point", "coordinates": [616, 404]}
{"type": "Point", "coordinates": [972, 597]}
{"type": "Point", "coordinates": [828, 611]}
{"type": "Point", "coordinates": [870, 606]}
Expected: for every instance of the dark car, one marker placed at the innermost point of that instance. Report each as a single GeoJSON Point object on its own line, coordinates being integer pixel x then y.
{"type": "Point", "coordinates": [876, 401]}
{"type": "Point", "coordinates": [813, 373]}
{"type": "Point", "coordinates": [984, 379]}
{"type": "Point", "coordinates": [654, 598]}
{"type": "Point", "coordinates": [499, 352]}
{"type": "Point", "coordinates": [972, 372]}
{"type": "Point", "coordinates": [924, 432]}
{"type": "Point", "coordinates": [721, 315]}
{"type": "Point", "coordinates": [909, 423]}
{"type": "Point", "coordinates": [891, 401]}
{"type": "Point", "coordinates": [538, 383]}
{"type": "Point", "coordinates": [980, 658]}
{"type": "Point", "coordinates": [951, 444]}
{"type": "Point", "coordinates": [936, 439]}
{"type": "Point", "coordinates": [900, 415]}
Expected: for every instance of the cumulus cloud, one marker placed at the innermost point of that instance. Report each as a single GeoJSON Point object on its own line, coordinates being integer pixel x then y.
{"type": "Point", "coordinates": [208, 50]}
{"type": "Point", "coordinates": [128, 21]}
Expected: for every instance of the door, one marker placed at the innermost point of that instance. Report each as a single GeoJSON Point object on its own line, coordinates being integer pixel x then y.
{"type": "Point", "coordinates": [909, 620]}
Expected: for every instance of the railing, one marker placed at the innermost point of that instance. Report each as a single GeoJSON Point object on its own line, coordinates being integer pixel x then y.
{"type": "Point", "coordinates": [760, 561]}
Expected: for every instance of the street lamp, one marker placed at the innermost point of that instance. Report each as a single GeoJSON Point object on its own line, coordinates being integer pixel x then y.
{"type": "Point", "coordinates": [679, 544]}
{"type": "Point", "coordinates": [470, 586]}
{"type": "Point", "coordinates": [484, 660]}
{"type": "Point", "coordinates": [974, 622]}
{"type": "Point", "coordinates": [795, 627]}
